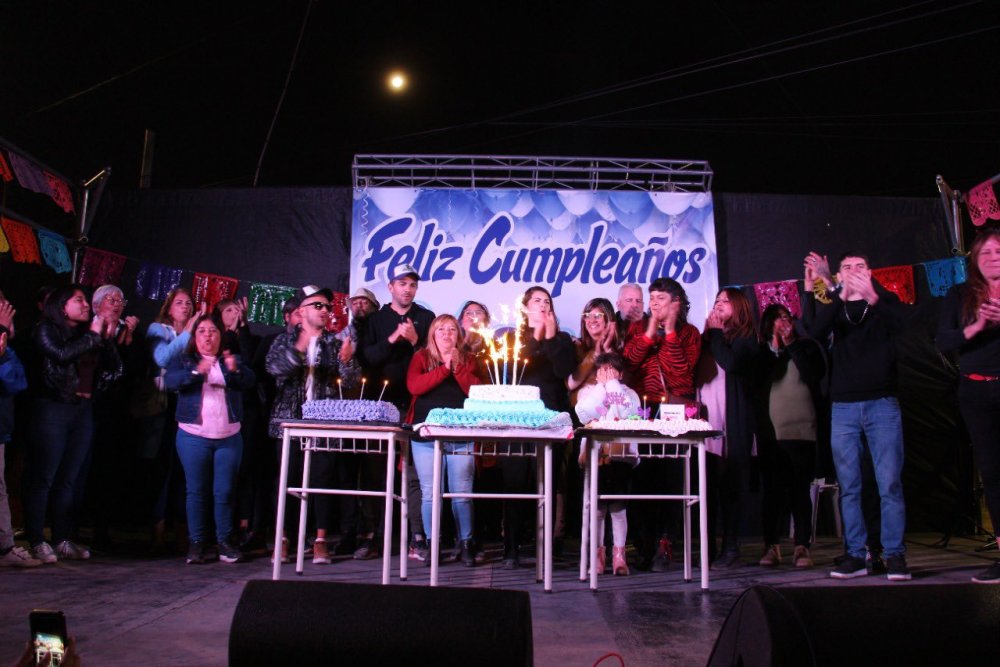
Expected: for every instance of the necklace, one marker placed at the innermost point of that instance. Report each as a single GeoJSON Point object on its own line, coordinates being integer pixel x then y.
{"type": "Point", "coordinates": [861, 319]}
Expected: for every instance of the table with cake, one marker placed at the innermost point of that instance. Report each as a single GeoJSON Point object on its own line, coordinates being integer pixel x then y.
{"type": "Point", "coordinates": [671, 435]}
{"type": "Point", "coordinates": [500, 420]}
{"type": "Point", "coordinates": [349, 426]}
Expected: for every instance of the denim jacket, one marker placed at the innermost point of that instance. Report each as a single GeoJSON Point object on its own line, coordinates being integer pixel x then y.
{"type": "Point", "coordinates": [182, 378]}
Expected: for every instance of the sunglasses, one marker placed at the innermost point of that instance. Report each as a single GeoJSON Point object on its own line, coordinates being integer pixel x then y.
{"type": "Point", "coordinates": [319, 305]}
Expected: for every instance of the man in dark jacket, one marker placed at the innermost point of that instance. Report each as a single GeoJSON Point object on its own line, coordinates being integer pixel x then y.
{"type": "Point", "coordinates": [863, 318]}
{"type": "Point", "coordinates": [306, 363]}
{"type": "Point", "coordinates": [391, 336]}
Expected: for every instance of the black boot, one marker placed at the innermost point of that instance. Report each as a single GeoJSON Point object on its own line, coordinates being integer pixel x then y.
{"type": "Point", "coordinates": [468, 553]}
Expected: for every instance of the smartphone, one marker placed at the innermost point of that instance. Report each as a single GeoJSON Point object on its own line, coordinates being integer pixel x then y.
{"type": "Point", "coordinates": [48, 636]}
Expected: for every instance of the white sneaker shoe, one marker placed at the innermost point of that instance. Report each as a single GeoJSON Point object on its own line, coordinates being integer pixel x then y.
{"type": "Point", "coordinates": [43, 552]}
{"type": "Point", "coordinates": [72, 551]}
{"type": "Point", "coordinates": [18, 557]}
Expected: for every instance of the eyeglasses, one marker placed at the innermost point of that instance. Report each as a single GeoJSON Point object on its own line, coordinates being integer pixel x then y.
{"type": "Point", "coordinates": [117, 300]}
{"type": "Point", "coordinates": [593, 317]}
{"type": "Point", "coordinates": [473, 313]}
{"type": "Point", "coordinates": [319, 305]}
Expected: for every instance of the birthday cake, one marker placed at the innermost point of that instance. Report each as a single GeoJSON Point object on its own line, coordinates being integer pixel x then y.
{"type": "Point", "coordinates": [668, 427]}
{"type": "Point", "coordinates": [350, 411]}
{"type": "Point", "coordinates": [500, 406]}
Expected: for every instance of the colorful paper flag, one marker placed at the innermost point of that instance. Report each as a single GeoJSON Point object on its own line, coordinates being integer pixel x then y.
{"type": "Point", "coordinates": [155, 281]}
{"type": "Point", "coordinates": [784, 292]}
{"type": "Point", "coordinates": [982, 203]}
{"type": "Point", "coordinates": [100, 267]}
{"type": "Point", "coordinates": [61, 193]}
{"type": "Point", "coordinates": [212, 289]}
{"type": "Point", "coordinates": [5, 172]}
{"type": "Point", "coordinates": [266, 302]}
{"type": "Point", "coordinates": [338, 315]}
{"type": "Point", "coordinates": [23, 244]}
{"type": "Point", "coordinates": [944, 273]}
{"type": "Point", "coordinates": [898, 280]}
{"type": "Point", "coordinates": [29, 175]}
{"type": "Point", "coordinates": [54, 251]}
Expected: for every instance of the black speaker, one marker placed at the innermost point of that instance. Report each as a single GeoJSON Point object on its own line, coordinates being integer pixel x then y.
{"type": "Point", "coordinates": [861, 625]}
{"type": "Point", "coordinates": [300, 623]}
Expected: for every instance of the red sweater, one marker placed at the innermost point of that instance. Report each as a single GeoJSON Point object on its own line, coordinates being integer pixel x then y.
{"type": "Point", "coordinates": [666, 359]}
{"type": "Point", "coordinates": [423, 383]}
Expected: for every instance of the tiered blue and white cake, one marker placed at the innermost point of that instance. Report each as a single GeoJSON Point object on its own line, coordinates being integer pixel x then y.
{"type": "Point", "coordinates": [500, 406]}
{"type": "Point", "coordinates": [350, 411]}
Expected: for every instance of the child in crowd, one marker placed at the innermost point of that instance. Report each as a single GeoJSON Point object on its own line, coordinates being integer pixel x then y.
{"type": "Point", "coordinates": [610, 398]}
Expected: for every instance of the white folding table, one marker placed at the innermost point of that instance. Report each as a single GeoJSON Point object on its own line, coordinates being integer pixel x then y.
{"type": "Point", "coordinates": [650, 445]}
{"type": "Point", "coordinates": [328, 436]}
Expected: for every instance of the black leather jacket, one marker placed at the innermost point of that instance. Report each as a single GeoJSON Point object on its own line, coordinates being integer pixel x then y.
{"type": "Point", "coordinates": [59, 351]}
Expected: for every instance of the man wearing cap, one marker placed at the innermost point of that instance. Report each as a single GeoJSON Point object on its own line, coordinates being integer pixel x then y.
{"type": "Point", "coordinates": [306, 363]}
{"type": "Point", "coordinates": [393, 334]}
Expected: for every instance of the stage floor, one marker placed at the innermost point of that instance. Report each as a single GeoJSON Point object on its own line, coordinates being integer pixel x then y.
{"type": "Point", "coordinates": [162, 612]}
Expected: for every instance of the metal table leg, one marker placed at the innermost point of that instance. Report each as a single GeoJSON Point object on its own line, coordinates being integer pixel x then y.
{"type": "Point", "coordinates": [282, 498]}
{"type": "Point", "coordinates": [436, 511]}
{"type": "Point", "coordinates": [390, 480]}
{"type": "Point", "coordinates": [300, 548]}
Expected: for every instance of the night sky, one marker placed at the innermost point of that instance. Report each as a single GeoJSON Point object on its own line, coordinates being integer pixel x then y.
{"type": "Point", "coordinates": [847, 97]}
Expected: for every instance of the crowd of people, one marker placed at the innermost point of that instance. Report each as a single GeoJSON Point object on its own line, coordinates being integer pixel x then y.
{"type": "Point", "coordinates": [205, 397]}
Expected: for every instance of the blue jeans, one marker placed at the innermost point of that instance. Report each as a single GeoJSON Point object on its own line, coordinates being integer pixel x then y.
{"type": "Point", "coordinates": [62, 434]}
{"type": "Point", "coordinates": [458, 470]}
{"type": "Point", "coordinates": [210, 468]}
{"type": "Point", "coordinates": [881, 423]}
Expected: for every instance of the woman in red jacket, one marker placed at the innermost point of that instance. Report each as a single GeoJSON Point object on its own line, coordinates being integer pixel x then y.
{"type": "Point", "coordinates": [439, 377]}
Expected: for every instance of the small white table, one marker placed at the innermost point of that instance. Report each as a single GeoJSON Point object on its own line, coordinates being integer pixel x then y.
{"type": "Point", "coordinates": [327, 436]}
{"type": "Point", "coordinates": [651, 445]}
{"type": "Point", "coordinates": [495, 442]}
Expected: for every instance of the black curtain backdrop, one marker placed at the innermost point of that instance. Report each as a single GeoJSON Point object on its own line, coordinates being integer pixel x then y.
{"type": "Point", "coordinates": [299, 236]}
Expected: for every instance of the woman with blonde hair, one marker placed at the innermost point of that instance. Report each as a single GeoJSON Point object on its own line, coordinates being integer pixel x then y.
{"type": "Point", "coordinates": [439, 377]}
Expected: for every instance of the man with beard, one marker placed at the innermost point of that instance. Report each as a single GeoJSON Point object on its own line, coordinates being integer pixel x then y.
{"type": "Point", "coordinates": [392, 335]}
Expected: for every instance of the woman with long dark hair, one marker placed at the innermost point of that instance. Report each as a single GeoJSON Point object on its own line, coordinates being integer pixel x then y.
{"type": "Point", "coordinates": [789, 403]}
{"type": "Point", "coordinates": [729, 355]}
{"type": "Point", "coordinates": [970, 326]}
{"type": "Point", "coordinates": [550, 359]}
{"type": "Point", "coordinates": [79, 359]}
{"type": "Point", "coordinates": [209, 381]}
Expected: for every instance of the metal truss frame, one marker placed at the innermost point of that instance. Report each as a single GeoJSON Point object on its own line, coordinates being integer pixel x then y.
{"type": "Point", "coordinates": [531, 173]}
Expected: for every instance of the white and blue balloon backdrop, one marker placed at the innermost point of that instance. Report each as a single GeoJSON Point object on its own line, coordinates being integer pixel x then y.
{"type": "Point", "coordinates": [492, 244]}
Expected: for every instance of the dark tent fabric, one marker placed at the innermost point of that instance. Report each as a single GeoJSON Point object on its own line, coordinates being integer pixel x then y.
{"type": "Point", "coordinates": [294, 236]}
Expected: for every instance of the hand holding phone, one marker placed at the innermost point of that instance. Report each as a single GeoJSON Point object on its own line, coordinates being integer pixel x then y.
{"type": "Point", "coordinates": [48, 637]}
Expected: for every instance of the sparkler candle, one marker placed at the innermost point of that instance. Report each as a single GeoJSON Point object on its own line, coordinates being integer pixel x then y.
{"type": "Point", "coordinates": [340, 390]}
{"type": "Point", "coordinates": [363, 380]}
{"type": "Point", "coordinates": [385, 383]}
{"type": "Point", "coordinates": [503, 353]}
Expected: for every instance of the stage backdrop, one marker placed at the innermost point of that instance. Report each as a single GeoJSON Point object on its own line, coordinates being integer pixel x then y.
{"type": "Point", "coordinates": [492, 244]}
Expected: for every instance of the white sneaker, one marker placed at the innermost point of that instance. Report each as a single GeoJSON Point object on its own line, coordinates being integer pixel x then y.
{"type": "Point", "coordinates": [43, 552]}
{"type": "Point", "coordinates": [18, 557]}
{"type": "Point", "coordinates": [72, 551]}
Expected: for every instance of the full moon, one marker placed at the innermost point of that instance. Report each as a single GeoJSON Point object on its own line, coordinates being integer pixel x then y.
{"type": "Point", "coordinates": [397, 82]}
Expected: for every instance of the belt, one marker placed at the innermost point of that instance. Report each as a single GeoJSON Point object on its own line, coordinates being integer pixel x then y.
{"type": "Point", "coordinates": [981, 378]}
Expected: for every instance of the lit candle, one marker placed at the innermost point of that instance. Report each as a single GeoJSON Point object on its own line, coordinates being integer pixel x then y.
{"type": "Point", "coordinates": [385, 383]}
{"type": "Point", "coordinates": [503, 352]}
{"type": "Point", "coordinates": [363, 380]}
{"type": "Point", "coordinates": [518, 321]}
{"type": "Point", "coordinates": [496, 366]}
{"type": "Point", "coordinates": [340, 390]}
{"type": "Point", "coordinates": [644, 406]}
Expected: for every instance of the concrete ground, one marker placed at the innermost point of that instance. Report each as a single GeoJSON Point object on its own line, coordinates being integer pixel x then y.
{"type": "Point", "coordinates": [175, 614]}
